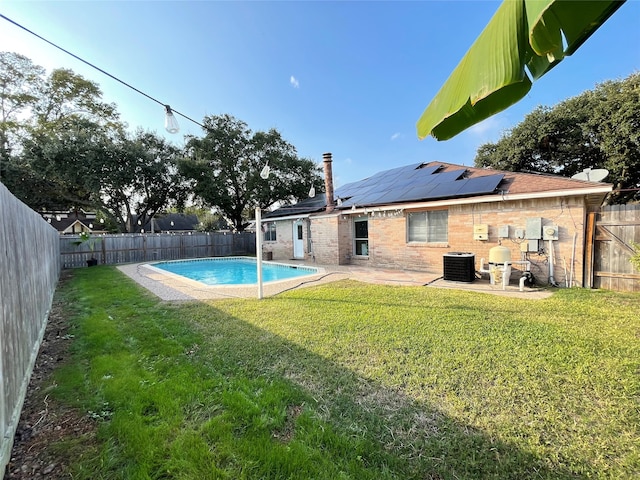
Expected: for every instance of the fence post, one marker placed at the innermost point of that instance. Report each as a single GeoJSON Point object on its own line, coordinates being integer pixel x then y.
{"type": "Point", "coordinates": [590, 234]}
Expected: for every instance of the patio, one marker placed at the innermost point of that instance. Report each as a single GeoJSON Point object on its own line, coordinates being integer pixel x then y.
{"type": "Point", "coordinates": [175, 288]}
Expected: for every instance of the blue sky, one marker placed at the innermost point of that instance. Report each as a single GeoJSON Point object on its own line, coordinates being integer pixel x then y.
{"type": "Point", "coordinates": [351, 78]}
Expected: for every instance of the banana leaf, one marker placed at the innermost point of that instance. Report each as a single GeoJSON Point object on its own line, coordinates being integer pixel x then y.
{"type": "Point", "coordinates": [522, 41]}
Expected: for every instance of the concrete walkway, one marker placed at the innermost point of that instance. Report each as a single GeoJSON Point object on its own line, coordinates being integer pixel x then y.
{"type": "Point", "coordinates": [172, 287]}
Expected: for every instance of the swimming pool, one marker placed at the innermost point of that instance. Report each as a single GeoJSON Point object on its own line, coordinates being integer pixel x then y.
{"type": "Point", "coordinates": [233, 270]}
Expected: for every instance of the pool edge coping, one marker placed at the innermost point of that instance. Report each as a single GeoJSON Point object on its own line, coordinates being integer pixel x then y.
{"type": "Point", "coordinates": [170, 286]}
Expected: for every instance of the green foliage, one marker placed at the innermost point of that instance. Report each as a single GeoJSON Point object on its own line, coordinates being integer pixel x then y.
{"type": "Point", "coordinates": [19, 92]}
{"type": "Point", "coordinates": [73, 151]}
{"type": "Point", "coordinates": [521, 42]}
{"type": "Point", "coordinates": [635, 258]}
{"type": "Point", "coordinates": [62, 147]}
{"type": "Point", "coordinates": [597, 129]}
{"type": "Point", "coordinates": [67, 94]}
{"type": "Point", "coordinates": [60, 163]}
{"type": "Point", "coordinates": [63, 126]}
{"type": "Point", "coordinates": [210, 222]}
{"type": "Point", "coordinates": [349, 380]}
{"type": "Point", "coordinates": [85, 238]}
{"type": "Point", "coordinates": [140, 177]}
{"type": "Point", "coordinates": [224, 169]}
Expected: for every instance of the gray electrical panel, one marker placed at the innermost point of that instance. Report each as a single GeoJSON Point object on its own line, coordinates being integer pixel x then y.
{"type": "Point", "coordinates": [503, 231]}
{"type": "Point", "coordinates": [534, 228]}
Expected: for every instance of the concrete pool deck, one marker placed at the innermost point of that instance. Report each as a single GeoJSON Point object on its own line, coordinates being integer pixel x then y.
{"type": "Point", "coordinates": [176, 288]}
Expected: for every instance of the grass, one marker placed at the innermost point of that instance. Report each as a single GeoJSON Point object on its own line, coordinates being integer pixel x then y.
{"type": "Point", "coordinates": [352, 381]}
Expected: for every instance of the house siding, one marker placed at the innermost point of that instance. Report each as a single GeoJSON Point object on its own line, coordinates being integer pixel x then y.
{"type": "Point", "coordinates": [282, 248]}
{"type": "Point", "coordinates": [327, 237]}
{"type": "Point", "coordinates": [567, 213]}
{"type": "Point", "coordinates": [332, 237]}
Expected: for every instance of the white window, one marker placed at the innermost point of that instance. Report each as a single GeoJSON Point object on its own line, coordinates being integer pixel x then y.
{"type": "Point", "coordinates": [361, 237]}
{"type": "Point", "coordinates": [428, 227]}
{"type": "Point", "coordinates": [269, 229]}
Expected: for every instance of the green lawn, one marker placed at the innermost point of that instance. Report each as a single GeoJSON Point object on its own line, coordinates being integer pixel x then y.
{"type": "Point", "coordinates": [352, 381]}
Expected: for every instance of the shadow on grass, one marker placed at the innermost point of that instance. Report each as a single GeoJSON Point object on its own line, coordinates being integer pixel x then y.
{"type": "Point", "coordinates": [392, 431]}
{"type": "Point", "coordinates": [253, 404]}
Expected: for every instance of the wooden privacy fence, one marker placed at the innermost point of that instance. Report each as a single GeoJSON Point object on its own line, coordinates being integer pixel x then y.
{"type": "Point", "coordinates": [29, 272]}
{"type": "Point", "coordinates": [118, 249]}
{"type": "Point", "coordinates": [610, 235]}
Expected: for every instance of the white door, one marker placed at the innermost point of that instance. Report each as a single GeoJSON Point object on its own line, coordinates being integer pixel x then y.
{"type": "Point", "coordinates": [298, 244]}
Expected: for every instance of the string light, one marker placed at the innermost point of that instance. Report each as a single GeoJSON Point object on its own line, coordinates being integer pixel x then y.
{"type": "Point", "coordinates": [170, 122]}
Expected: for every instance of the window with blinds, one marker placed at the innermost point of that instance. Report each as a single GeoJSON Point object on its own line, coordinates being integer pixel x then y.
{"type": "Point", "coordinates": [428, 227]}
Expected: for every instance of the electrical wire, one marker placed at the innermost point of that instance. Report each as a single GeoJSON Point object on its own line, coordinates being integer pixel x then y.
{"type": "Point", "coordinates": [100, 70]}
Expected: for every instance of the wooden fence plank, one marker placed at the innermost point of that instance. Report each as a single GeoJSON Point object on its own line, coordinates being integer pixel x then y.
{"type": "Point", "coordinates": [617, 228]}
{"type": "Point", "coordinates": [29, 272]}
{"type": "Point", "coordinates": [119, 249]}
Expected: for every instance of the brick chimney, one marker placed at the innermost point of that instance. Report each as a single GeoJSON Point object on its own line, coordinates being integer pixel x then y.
{"type": "Point", "coordinates": [328, 181]}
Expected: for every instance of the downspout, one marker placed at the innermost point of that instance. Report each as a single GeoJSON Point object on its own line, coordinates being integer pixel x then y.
{"type": "Point", "coordinates": [573, 259]}
{"type": "Point", "coordinates": [552, 280]}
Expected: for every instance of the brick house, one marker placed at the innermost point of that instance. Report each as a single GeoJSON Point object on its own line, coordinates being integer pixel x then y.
{"type": "Point", "coordinates": [411, 217]}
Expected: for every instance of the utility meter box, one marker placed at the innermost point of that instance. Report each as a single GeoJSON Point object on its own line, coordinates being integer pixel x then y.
{"type": "Point", "coordinates": [503, 231]}
{"type": "Point", "coordinates": [534, 228]}
{"type": "Point", "coordinates": [550, 232]}
{"type": "Point", "coordinates": [481, 231]}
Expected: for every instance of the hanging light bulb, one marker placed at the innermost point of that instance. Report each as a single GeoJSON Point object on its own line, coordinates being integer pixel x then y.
{"type": "Point", "coordinates": [265, 172]}
{"type": "Point", "coordinates": [170, 121]}
{"type": "Point", "coordinates": [312, 192]}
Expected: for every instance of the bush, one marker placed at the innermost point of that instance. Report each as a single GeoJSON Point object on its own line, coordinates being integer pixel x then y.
{"type": "Point", "coordinates": [635, 259]}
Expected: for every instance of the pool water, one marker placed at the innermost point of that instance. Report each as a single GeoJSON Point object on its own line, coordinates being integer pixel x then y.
{"type": "Point", "coordinates": [233, 270]}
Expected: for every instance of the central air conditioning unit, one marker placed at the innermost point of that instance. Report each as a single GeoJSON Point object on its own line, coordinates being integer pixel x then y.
{"type": "Point", "coordinates": [459, 266]}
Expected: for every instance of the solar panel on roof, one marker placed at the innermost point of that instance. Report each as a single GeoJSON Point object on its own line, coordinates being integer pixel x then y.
{"type": "Point", "coordinates": [419, 192]}
{"type": "Point", "coordinates": [446, 189]}
{"type": "Point", "coordinates": [387, 197]}
{"type": "Point", "coordinates": [368, 199]}
{"type": "Point", "coordinates": [402, 184]}
{"type": "Point", "coordinates": [449, 176]}
{"type": "Point", "coordinates": [427, 170]}
{"type": "Point", "coordinates": [423, 172]}
{"type": "Point", "coordinates": [480, 185]}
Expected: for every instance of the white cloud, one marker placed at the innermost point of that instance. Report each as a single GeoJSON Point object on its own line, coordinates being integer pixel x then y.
{"type": "Point", "coordinates": [395, 136]}
{"type": "Point", "coordinates": [294, 82]}
{"type": "Point", "coordinates": [488, 128]}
